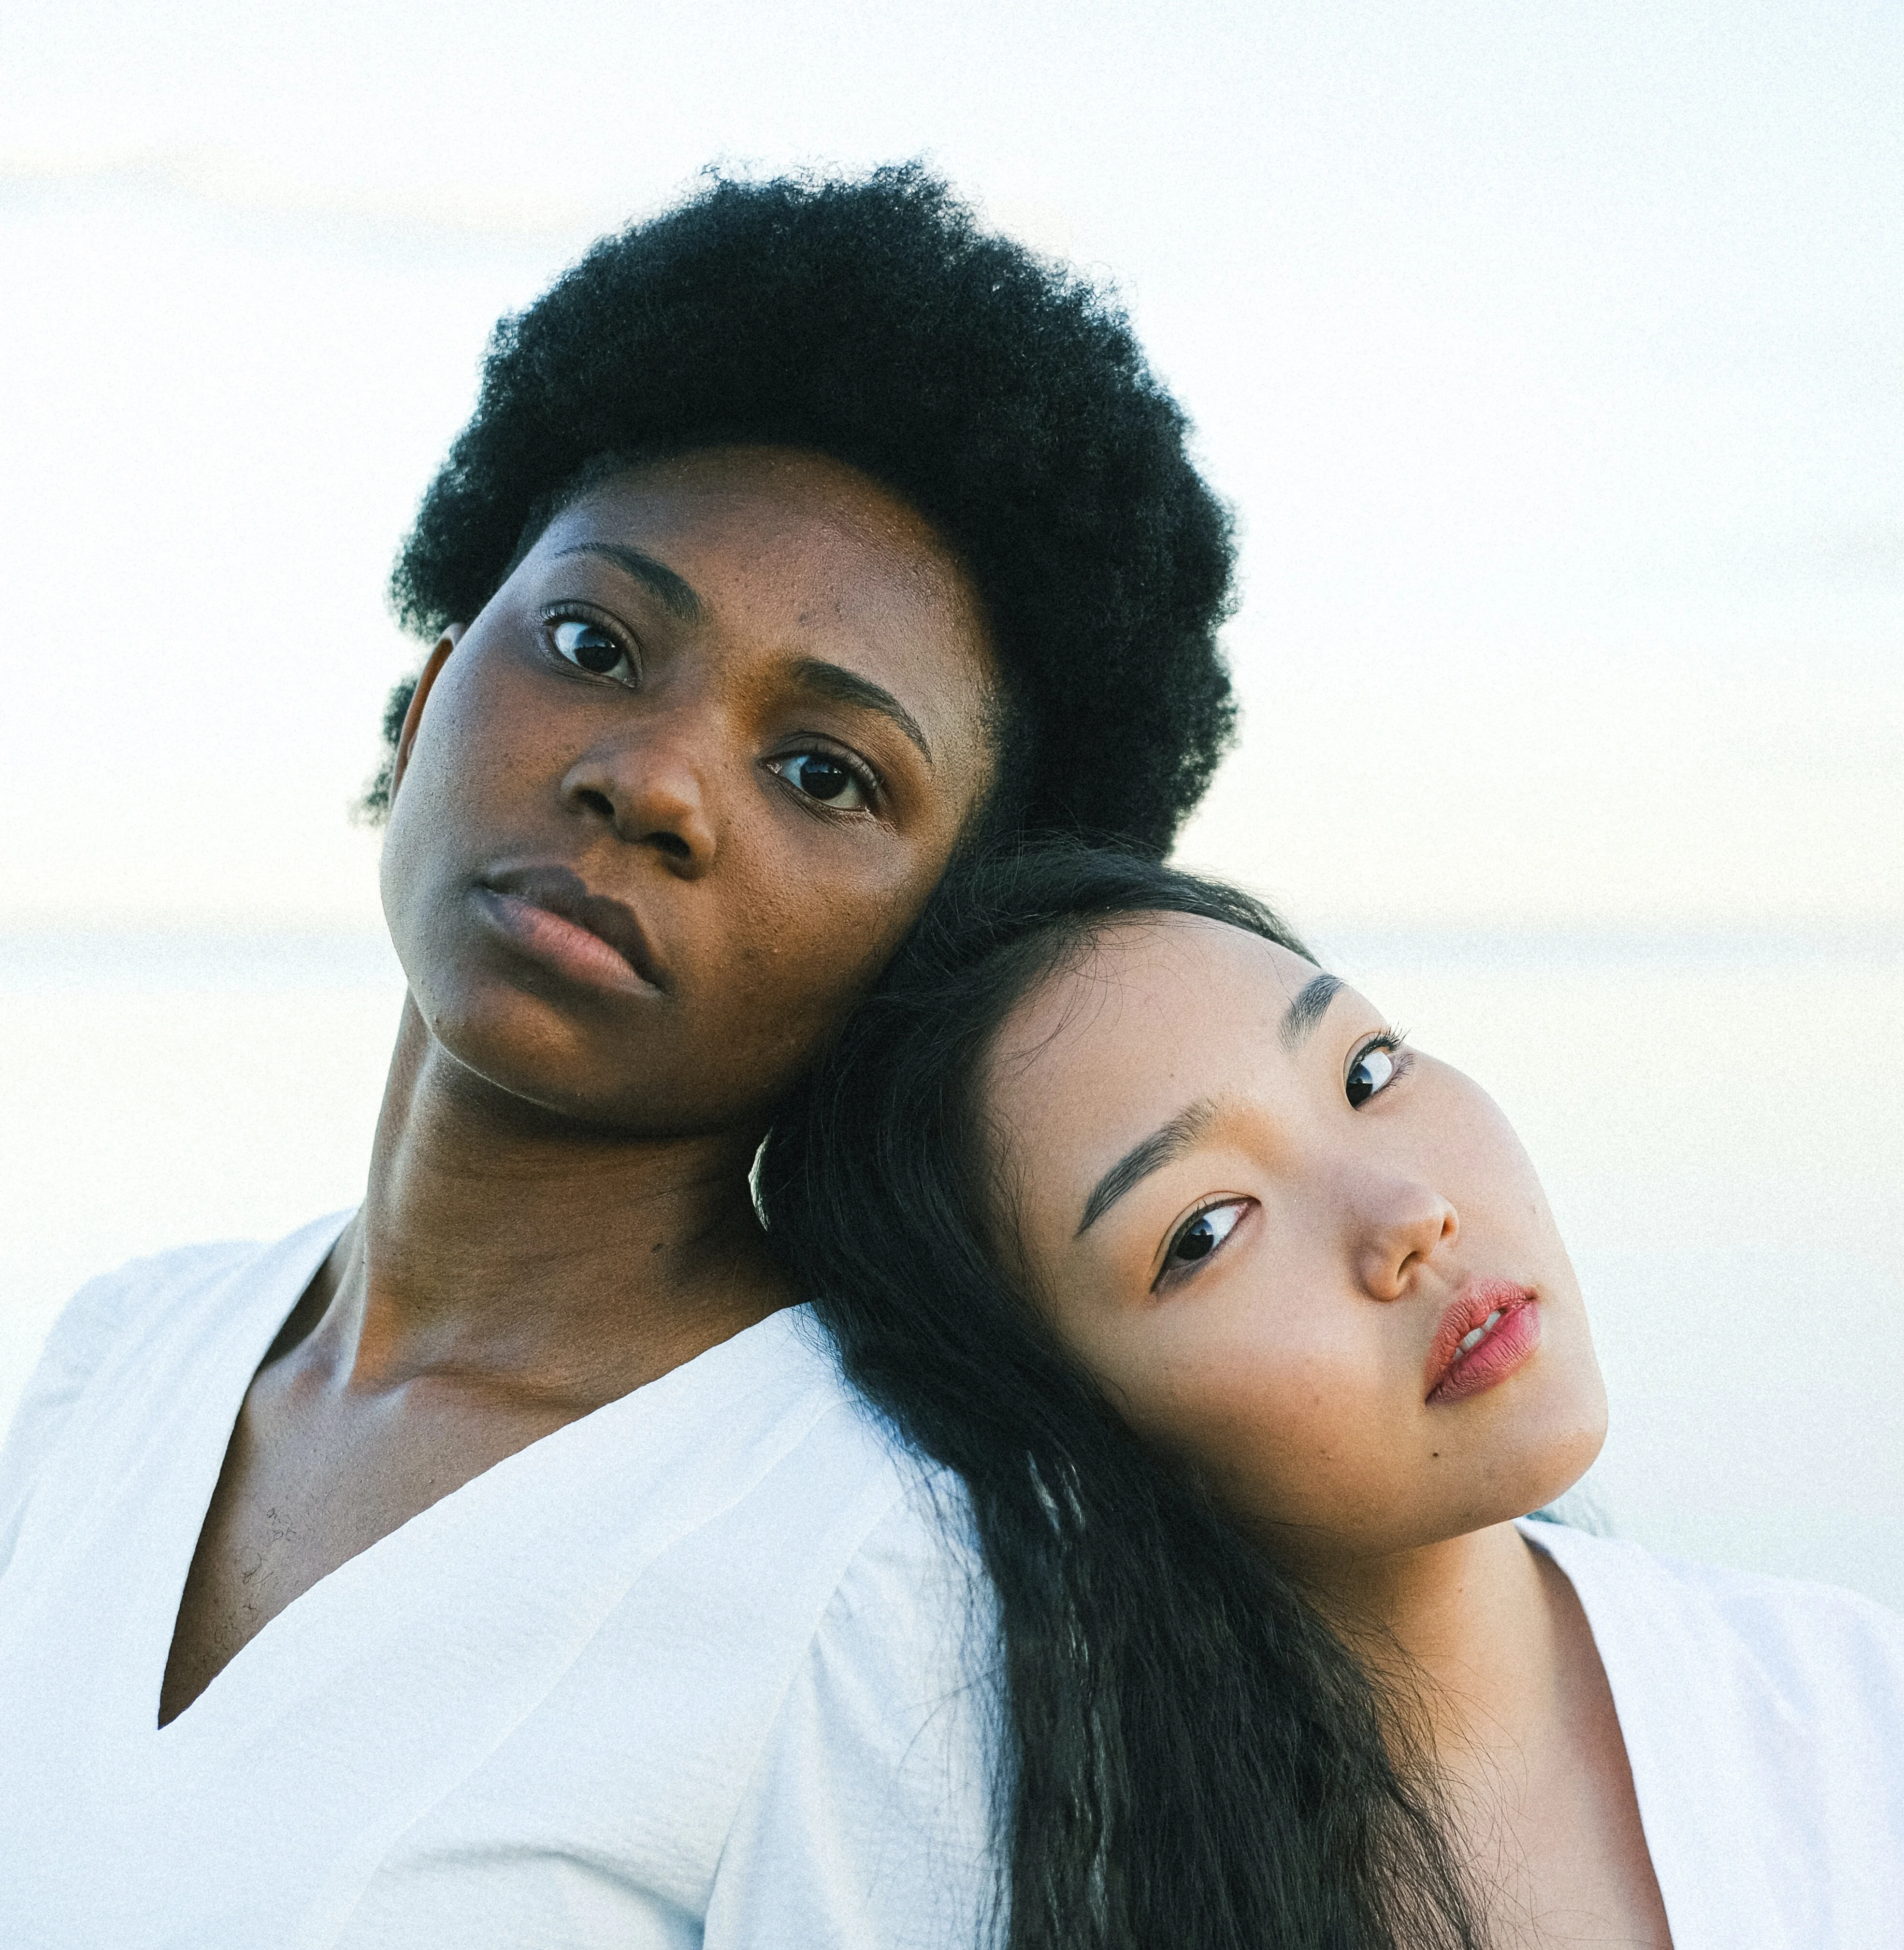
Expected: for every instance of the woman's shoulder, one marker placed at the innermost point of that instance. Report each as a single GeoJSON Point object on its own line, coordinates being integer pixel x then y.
{"type": "Point", "coordinates": [811, 1504]}
{"type": "Point", "coordinates": [1763, 1719]}
{"type": "Point", "coordinates": [888, 1531]}
{"type": "Point", "coordinates": [111, 1324]}
{"type": "Point", "coordinates": [1799, 1633]}
{"type": "Point", "coordinates": [110, 1303]}
{"type": "Point", "coordinates": [111, 1308]}
{"type": "Point", "coordinates": [1805, 1635]}
{"type": "Point", "coordinates": [885, 1741]}
{"type": "Point", "coordinates": [144, 1294]}
{"type": "Point", "coordinates": [909, 1514]}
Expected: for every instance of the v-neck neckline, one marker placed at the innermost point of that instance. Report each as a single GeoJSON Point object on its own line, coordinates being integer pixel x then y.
{"type": "Point", "coordinates": [1636, 1612]}
{"type": "Point", "coordinates": [252, 1337]}
{"type": "Point", "coordinates": [214, 1431]}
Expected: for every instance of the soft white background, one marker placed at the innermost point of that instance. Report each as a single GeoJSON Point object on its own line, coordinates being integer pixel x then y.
{"type": "Point", "coordinates": [1549, 353]}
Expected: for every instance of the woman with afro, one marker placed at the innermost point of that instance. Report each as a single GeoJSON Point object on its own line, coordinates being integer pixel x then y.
{"type": "Point", "coordinates": [504, 1563]}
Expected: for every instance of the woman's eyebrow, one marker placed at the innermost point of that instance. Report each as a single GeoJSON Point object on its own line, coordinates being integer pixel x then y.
{"type": "Point", "coordinates": [844, 686]}
{"type": "Point", "coordinates": [1310, 1005]}
{"type": "Point", "coordinates": [675, 594]}
{"type": "Point", "coordinates": [1167, 1141]}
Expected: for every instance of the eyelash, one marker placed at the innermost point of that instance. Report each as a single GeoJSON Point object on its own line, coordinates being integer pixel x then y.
{"type": "Point", "coordinates": [869, 780]}
{"type": "Point", "coordinates": [579, 612]}
{"type": "Point", "coordinates": [1395, 1041]}
{"type": "Point", "coordinates": [1168, 1269]}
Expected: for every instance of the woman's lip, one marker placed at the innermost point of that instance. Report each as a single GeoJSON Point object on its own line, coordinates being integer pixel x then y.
{"type": "Point", "coordinates": [1452, 1372]}
{"type": "Point", "coordinates": [564, 945]}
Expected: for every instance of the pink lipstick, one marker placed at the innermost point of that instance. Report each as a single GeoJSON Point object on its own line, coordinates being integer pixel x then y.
{"type": "Point", "coordinates": [1482, 1337]}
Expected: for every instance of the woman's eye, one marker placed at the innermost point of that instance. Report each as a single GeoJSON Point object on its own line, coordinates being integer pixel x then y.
{"type": "Point", "coordinates": [1203, 1234]}
{"type": "Point", "coordinates": [590, 648]}
{"type": "Point", "coordinates": [1374, 1070]}
{"type": "Point", "coordinates": [820, 776]}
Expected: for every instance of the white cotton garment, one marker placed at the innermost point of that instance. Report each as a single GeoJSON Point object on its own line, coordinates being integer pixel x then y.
{"type": "Point", "coordinates": [709, 1666]}
{"type": "Point", "coordinates": [1764, 1721]}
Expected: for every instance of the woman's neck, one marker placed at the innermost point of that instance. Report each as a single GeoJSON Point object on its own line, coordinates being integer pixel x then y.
{"type": "Point", "coordinates": [509, 1249]}
{"type": "Point", "coordinates": [1499, 1687]}
{"type": "Point", "coordinates": [1471, 1635]}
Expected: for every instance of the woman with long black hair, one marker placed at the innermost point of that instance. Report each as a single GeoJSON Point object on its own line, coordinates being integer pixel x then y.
{"type": "Point", "coordinates": [1249, 1333]}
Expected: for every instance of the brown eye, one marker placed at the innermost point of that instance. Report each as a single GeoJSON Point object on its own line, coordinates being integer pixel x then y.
{"type": "Point", "coordinates": [821, 776]}
{"type": "Point", "coordinates": [1374, 1070]}
{"type": "Point", "coordinates": [590, 647]}
{"type": "Point", "coordinates": [1201, 1236]}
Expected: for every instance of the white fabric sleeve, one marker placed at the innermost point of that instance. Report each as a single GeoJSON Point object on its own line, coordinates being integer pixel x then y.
{"type": "Point", "coordinates": [83, 1335]}
{"type": "Point", "coordinates": [869, 1823]}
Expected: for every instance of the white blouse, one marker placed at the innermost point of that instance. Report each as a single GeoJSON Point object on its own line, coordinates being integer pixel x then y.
{"type": "Point", "coordinates": [1764, 1721]}
{"type": "Point", "coordinates": [704, 1667]}
{"type": "Point", "coordinates": [707, 1667]}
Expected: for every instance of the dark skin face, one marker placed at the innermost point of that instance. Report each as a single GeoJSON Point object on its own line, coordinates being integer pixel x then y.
{"type": "Point", "coordinates": [662, 811]}
{"type": "Point", "coordinates": [756, 757]}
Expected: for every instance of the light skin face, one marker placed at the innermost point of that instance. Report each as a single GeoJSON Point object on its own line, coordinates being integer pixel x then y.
{"type": "Point", "coordinates": [1262, 1302]}
{"type": "Point", "coordinates": [1249, 1211]}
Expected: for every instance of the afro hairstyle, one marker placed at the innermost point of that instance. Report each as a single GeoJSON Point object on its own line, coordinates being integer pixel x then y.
{"type": "Point", "coordinates": [1004, 399]}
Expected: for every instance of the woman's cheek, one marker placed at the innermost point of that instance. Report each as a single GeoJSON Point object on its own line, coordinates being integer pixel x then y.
{"type": "Point", "coordinates": [1295, 1434]}
{"type": "Point", "coordinates": [1239, 1414]}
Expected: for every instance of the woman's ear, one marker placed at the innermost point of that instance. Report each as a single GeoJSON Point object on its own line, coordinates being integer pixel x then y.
{"type": "Point", "coordinates": [413, 716]}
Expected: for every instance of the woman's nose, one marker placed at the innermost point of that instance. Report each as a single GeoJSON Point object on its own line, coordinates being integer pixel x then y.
{"type": "Point", "coordinates": [651, 792]}
{"type": "Point", "coordinates": [1403, 1223]}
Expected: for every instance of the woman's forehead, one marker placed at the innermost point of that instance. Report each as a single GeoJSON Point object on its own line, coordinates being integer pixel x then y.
{"type": "Point", "coordinates": [790, 495]}
{"type": "Point", "coordinates": [1146, 990]}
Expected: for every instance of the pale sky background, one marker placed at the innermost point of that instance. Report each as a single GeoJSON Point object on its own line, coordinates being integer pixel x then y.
{"type": "Point", "coordinates": [1550, 354]}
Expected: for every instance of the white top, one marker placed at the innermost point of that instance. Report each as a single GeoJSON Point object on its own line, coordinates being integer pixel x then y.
{"type": "Point", "coordinates": [704, 1667]}
{"type": "Point", "coordinates": [1763, 1720]}
{"type": "Point", "coordinates": [700, 1667]}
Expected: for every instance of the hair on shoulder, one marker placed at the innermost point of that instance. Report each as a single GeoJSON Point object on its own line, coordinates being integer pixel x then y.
{"type": "Point", "coordinates": [873, 320]}
{"type": "Point", "coordinates": [1193, 1757]}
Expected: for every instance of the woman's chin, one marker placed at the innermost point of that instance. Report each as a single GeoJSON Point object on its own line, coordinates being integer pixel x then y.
{"type": "Point", "coordinates": [1541, 1464]}
{"type": "Point", "coordinates": [1508, 1472]}
{"type": "Point", "coordinates": [1547, 1426]}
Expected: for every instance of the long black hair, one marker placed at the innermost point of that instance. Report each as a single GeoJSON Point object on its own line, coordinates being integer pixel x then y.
{"type": "Point", "coordinates": [1194, 1760]}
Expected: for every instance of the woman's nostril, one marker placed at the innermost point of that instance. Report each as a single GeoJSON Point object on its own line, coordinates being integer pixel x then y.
{"type": "Point", "coordinates": [589, 799]}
